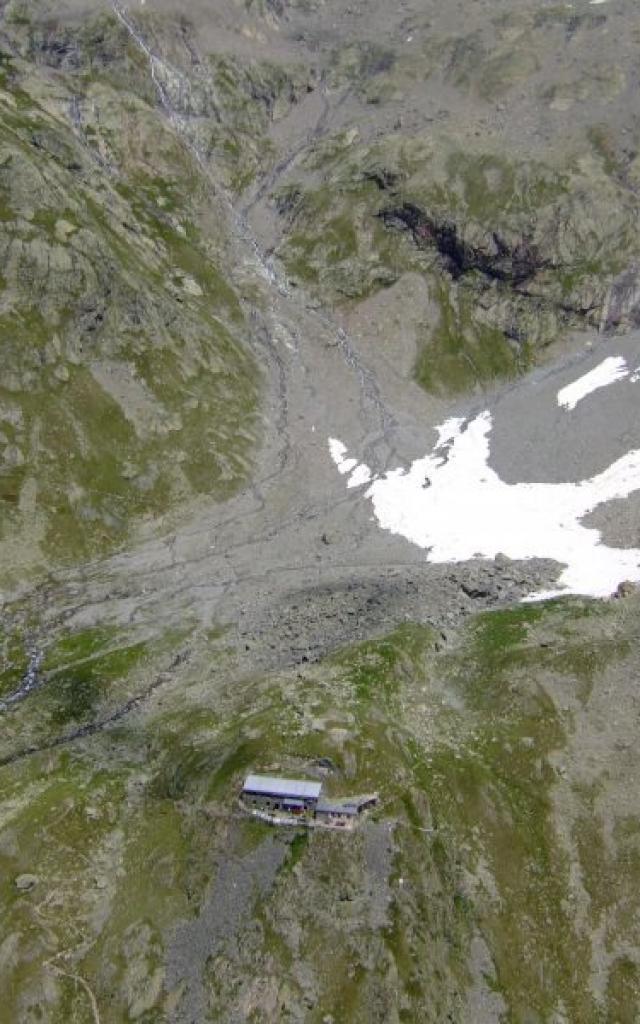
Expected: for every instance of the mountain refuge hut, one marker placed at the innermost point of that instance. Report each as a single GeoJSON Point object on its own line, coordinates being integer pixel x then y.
{"type": "Point", "coordinates": [291, 801]}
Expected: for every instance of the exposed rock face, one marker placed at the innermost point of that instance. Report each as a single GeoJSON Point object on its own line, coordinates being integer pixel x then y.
{"type": "Point", "coordinates": [622, 307]}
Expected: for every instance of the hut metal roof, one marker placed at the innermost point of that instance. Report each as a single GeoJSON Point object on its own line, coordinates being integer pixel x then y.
{"type": "Point", "coordinates": [270, 785]}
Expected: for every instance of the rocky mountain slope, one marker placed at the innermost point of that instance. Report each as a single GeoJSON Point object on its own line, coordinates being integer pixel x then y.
{"type": "Point", "coordinates": [247, 252]}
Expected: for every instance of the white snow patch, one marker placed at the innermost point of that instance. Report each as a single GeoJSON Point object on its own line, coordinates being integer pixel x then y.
{"type": "Point", "coordinates": [360, 476]}
{"type": "Point", "coordinates": [611, 369]}
{"type": "Point", "coordinates": [456, 507]}
{"type": "Point", "coordinates": [448, 431]}
{"type": "Point", "coordinates": [338, 452]}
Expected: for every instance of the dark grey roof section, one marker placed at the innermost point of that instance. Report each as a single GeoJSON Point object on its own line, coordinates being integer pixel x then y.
{"type": "Point", "coordinates": [367, 800]}
{"type": "Point", "coordinates": [349, 806]}
{"type": "Point", "coordinates": [335, 807]}
{"type": "Point", "coordinates": [270, 785]}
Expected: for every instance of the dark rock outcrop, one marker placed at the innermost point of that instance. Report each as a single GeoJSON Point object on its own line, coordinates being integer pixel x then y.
{"type": "Point", "coordinates": [496, 259]}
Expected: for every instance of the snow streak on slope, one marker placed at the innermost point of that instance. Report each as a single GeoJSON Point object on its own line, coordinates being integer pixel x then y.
{"type": "Point", "coordinates": [607, 372]}
{"type": "Point", "coordinates": [456, 507]}
{"type": "Point", "coordinates": [359, 474]}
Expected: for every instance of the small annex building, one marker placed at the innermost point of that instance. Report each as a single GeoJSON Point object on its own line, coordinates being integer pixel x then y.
{"type": "Point", "coordinates": [340, 812]}
{"type": "Point", "coordinates": [271, 796]}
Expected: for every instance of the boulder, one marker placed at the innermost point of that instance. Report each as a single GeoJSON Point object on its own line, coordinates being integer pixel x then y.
{"type": "Point", "coordinates": [24, 883]}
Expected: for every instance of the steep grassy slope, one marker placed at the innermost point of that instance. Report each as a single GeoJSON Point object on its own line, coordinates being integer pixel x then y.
{"type": "Point", "coordinates": [496, 881]}
{"type": "Point", "coordinates": [127, 386]}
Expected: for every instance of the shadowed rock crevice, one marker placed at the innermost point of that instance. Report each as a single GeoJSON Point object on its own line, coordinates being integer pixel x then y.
{"type": "Point", "coordinates": [498, 260]}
